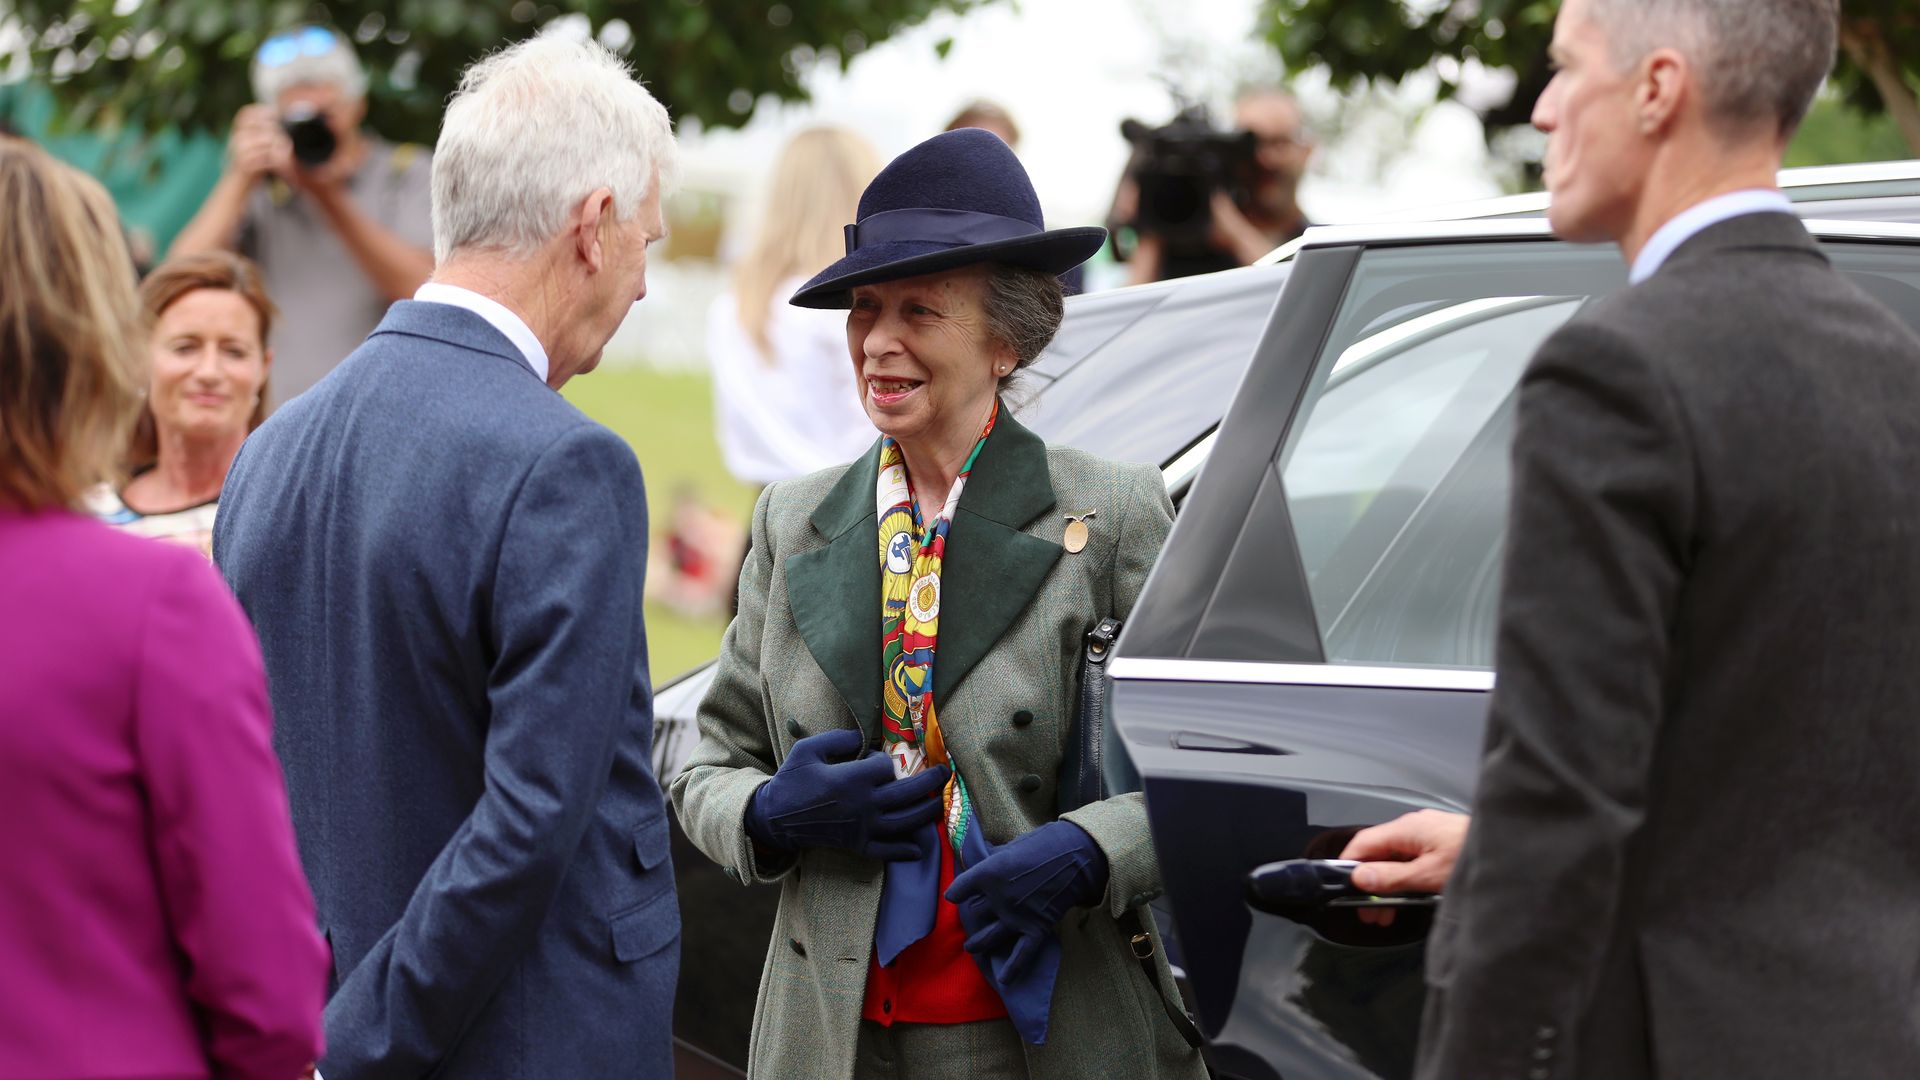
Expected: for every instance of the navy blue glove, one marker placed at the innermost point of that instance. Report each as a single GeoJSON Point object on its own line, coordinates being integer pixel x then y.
{"type": "Point", "coordinates": [1011, 900]}
{"type": "Point", "coordinates": [828, 793]}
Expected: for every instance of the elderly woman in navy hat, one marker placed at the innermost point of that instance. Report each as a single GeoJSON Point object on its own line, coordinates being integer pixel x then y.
{"type": "Point", "coordinates": [895, 698]}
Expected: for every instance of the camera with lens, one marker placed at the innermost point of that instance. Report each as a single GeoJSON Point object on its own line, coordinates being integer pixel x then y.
{"type": "Point", "coordinates": [313, 141]}
{"type": "Point", "coordinates": [1178, 167]}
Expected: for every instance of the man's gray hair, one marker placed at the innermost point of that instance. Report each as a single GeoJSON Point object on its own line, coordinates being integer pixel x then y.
{"type": "Point", "coordinates": [1023, 309]}
{"type": "Point", "coordinates": [1759, 61]}
{"type": "Point", "coordinates": [337, 66]}
{"type": "Point", "coordinates": [534, 129]}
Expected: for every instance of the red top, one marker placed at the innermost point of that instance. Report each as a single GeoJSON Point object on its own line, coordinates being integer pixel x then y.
{"type": "Point", "coordinates": [936, 980]}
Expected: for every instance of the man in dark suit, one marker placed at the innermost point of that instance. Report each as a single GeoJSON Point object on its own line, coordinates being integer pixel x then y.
{"type": "Point", "coordinates": [1693, 846]}
{"type": "Point", "coordinates": [444, 560]}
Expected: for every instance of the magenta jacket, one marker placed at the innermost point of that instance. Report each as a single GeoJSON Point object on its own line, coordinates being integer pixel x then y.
{"type": "Point", "coordinates": [154, 921]}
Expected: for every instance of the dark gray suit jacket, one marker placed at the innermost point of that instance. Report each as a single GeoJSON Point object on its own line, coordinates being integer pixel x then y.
{"type": "Point", "coordinates": [1696, 844]}
{"type": "Point", "coordinates": [444, 561]}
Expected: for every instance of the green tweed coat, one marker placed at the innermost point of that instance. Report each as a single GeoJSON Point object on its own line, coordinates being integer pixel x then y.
{"type": "Point", "coordinates": [803, 657]}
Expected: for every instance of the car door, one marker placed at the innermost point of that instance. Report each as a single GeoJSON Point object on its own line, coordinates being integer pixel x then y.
{"type": "Point", "coordinates": [1313, 652]}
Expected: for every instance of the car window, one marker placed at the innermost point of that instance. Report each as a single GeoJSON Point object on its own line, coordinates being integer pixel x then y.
{"type": "Point", "coordinates": [1161, 383]}
{"type": "Point", "coordinates": [1397, 477]}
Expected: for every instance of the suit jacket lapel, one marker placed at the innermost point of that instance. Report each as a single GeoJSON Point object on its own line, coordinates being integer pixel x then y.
{"type": "Point", "coordinates": [834, 591]}
{"type": "Point", "coordinates": [992, 570]}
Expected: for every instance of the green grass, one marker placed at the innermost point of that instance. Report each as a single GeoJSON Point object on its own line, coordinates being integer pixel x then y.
{"type": "Point", "coordinates": [667, 417]}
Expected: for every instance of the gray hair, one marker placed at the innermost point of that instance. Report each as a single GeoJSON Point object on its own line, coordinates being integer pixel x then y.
{"type": "Point", "coordinates": [338, 66]}
{"type": "Point", "coordinates": [1023, 309]}
{"type": "Point", "coordinates": [1760, 61]}
{"type": "Point", "coordinates": [534, 129]}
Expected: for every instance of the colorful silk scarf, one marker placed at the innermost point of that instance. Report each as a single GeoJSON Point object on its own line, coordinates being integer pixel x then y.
{"type": "Point", "coordinates": [911, 552]}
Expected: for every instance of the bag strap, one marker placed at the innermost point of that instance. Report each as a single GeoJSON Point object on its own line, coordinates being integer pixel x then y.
{"type": "Point", "coordinates": [1083, 781]}
{"type": "Point", "coordinates": [1140, 943]}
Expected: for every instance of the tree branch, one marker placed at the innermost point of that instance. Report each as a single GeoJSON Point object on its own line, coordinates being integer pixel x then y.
{"type": "Point", "coordinates": [1864, 43]}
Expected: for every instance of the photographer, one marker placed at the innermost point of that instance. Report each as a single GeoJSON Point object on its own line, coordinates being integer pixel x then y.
{"type": "Point", "coordinates": [1197, 200]}
{"type": "Point", "coordinates": [338, 220]}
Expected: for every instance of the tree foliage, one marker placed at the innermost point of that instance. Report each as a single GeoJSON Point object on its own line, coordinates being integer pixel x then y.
{"type": "Point", "coordinates": [155, 64]}
{"type": "Point", "coordinates": [1360, 41]}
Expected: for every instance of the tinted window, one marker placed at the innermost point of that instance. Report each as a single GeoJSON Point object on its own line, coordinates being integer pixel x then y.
{"type": "Point", "coordinates": [1160, 382]}
{"type": "Point", "coordinates": [1397, 476]}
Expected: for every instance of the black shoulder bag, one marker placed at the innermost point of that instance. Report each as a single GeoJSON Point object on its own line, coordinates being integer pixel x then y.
{"type": "Point", "coordinates": [1084, 779]}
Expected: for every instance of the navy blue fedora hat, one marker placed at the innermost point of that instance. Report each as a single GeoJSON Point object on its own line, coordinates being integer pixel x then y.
{"type": "Point", "coordinates": [958, 199]}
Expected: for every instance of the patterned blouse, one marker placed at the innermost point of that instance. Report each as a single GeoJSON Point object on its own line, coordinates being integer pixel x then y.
{"type": "Point", "coordinates": [192, 525]}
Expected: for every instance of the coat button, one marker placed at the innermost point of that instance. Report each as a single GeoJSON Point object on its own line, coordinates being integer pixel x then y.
{"type": "Point", "coordinates": [1030, 783]}
{"type": "Point", "coordinates": [797, 947]}
{"type": "Point", "coordinates": [732, 873]}
{"type": "Point", "coordinates": [1543, 1053]}
{"type": "Point", "coordinates": [1022, 718]}
{"type": "Point", "coordinates": [1545, 1033]}
{"type": "Point", "coordinates": [794, 729]}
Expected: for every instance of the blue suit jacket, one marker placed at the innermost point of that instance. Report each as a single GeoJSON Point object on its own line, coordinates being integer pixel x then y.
{"type": "Point", "coordinates": [444, 561]}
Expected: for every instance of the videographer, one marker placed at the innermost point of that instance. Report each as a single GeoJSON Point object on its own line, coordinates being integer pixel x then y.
{"type": "Point", "coordinates": [339, 221]}
{"type": "Point", "coordinates": [1196, 200]}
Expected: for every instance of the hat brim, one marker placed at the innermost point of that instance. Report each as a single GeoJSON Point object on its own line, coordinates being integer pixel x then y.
{"type": "Point", "coordinates": [1055, 252]}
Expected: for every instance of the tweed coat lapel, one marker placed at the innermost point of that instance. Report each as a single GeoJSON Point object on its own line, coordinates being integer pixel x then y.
{"type": "Point", "coordinates": [992, 569]}
{"type": "Point", "coordinates": [834, 591]}
{"type": "Point", "coordinates": [991, 572]}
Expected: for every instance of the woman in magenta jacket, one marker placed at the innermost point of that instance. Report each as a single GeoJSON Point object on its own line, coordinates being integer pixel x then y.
{"type": "Point", "coordinates": [154, 921]}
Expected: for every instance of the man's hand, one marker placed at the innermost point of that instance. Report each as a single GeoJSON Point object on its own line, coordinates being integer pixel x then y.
{"type": "Point", "coordinates": [1234, 234]}
{"type": "Point", "coordinates": [1413, 853]}
{"type": "Point", "coordinates": [258, 147]}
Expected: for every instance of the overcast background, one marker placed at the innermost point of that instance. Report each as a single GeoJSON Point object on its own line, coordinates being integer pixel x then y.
{"type": "Point", "coordinates": [1070, 71]}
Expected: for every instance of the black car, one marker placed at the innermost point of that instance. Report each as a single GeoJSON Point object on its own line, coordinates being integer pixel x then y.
{"type": "Point", "coordinates": [1312, 652]}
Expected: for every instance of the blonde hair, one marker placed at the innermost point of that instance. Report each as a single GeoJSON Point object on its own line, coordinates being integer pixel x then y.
{"type": "Point", "coordinates": [813, 195]}
{"type": "Point", "coordinates": [72, 356]}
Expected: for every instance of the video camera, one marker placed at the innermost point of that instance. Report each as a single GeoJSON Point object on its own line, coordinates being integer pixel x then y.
{"type": "Point", "coordinates": [1178, 167]}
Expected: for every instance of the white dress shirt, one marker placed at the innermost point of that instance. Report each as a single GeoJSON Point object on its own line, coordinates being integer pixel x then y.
{"type": "Point", "coordinates": [1689, 223]}
{"type": "Point", "coordinates": [497, 316]}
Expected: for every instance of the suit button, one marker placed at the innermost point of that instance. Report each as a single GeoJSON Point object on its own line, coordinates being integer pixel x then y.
{"type": "Point", "coordinates": [794, 729]}
{"type": "Point", "coordinates": [886, 1006]}
{"type": "Point", "coordinates": [1030, 783]}
{"type": "Point", "coordinates": [1022, 718]}
{"type": "Point", "coordinates": [1543, 1053]}
{"type": "Point", "coordinates": [797, 947]}
{"type": "Point", "coordinates": [1545, 1033]}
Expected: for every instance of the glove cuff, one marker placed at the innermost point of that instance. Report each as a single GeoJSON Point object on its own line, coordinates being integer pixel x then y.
{"type": "Point", "coordinates": [758, 828]}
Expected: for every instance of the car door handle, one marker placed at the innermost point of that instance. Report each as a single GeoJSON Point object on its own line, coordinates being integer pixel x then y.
{"type": "Point", "coordinates": [1218, 744]}
{"type": "Point", "coordinates": [1280, 888]}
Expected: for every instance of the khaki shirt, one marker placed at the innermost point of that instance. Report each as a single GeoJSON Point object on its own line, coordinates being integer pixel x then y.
{"type": "Point", "coordinates": [327, 303]}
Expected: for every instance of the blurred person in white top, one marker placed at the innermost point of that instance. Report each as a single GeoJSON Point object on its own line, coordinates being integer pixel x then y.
{"type": "Point", "coordinates": [783, 392]}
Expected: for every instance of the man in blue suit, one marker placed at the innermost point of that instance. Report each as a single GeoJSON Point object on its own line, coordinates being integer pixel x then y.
{"type": "Point", "coordinates": [444, 561]}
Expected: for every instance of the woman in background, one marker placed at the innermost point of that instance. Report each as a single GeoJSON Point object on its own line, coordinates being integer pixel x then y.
{"type": "Point", "coordinates": [207, 318]}
{"type": "Point", "coordinates": [783, 392]}
{"type": "Point", "coordinates": [153, 916]}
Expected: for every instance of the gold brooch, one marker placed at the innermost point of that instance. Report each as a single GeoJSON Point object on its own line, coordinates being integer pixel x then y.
{"type": "Point", "coordinates": [1075, 540]}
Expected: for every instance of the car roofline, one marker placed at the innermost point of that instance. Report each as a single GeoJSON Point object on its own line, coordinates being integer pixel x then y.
{"type": "Point", "coordinates": [1470, 229]}
{"type": "Point", "coordinates": [1535, 202]}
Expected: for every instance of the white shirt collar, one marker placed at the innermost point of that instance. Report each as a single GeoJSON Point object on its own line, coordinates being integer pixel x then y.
{"type": "Point", "coordinates": [1691, 222]}
{"type": "Point", "coordinates": [497, 316]}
